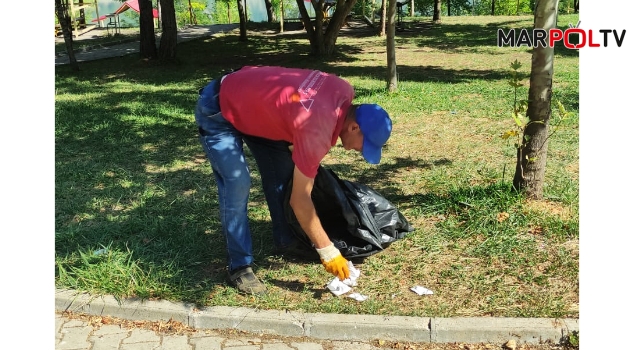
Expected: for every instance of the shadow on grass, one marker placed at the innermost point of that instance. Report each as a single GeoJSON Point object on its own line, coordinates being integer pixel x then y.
{"type": "Point", "coordinates": [466, 38]}
{"type": "Point", "coordinates": [388, 170]}
{"type": "Point", "coordinates": [292, 50]}
{"type": "Point", "coordinates": [141, 185]}
{"type": "Point", "coordinates": [131, 175]}
{"type": "Point", "coordinates": [296, 286]}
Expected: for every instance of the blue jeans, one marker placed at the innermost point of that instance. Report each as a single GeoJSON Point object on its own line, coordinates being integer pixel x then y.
{"type": "Point", "coordinates": [223, 145]}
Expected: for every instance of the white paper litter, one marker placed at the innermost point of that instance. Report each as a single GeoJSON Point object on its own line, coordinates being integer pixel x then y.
{"type": "Point", "coordinates": [358, 296]}
{"type": "Point", "coordinates": [353, 275]}
{"type": "Point", "coordinates": [338, 287]}
{"type": "Point", "coordinates": [420, 290]}
{"type": "Point", "coordinates": [384, 238]}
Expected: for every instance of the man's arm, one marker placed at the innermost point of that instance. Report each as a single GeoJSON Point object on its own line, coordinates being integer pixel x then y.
{"type": "Point", "coordinates": [306, 214]}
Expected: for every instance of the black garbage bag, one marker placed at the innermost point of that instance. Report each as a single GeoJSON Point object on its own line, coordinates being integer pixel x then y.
{"type": "Point", "coordinates": [358, 220]}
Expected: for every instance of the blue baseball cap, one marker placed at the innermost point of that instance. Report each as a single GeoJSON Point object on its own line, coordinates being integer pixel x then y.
{"type": "Point", "coordinates": [375, 124]}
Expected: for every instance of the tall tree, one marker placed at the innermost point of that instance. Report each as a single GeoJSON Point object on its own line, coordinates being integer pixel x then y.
{"type": "Point", "coordinates": [383, 18]}
{"type": "Point", "coordinates": [228, 3]}
{"type": "Point", "coordinates": [281, 16]}
{"type": "Point", "coordinates": [169, 38]}
{"type": "Point", "coordinates": [64, 19]}
{"type": "Point", "coordinates": [192, 15]}
{"type": "Point", "coordinates": [243, 20]}
{"type": "Point", "coordinates": [323, 42]}
{"type": "Point", "coordinates": [436, 11]}
{"type": "Point", "coordinates": [269, 7]}
{"type": "Point", "coordinates": [392, 73]}
{"type": "Point", "coordinates": [148, 48]}
{"type": "Point", "coordinates": [532, 155]}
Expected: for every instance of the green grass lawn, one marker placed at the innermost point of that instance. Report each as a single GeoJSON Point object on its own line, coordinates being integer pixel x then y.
{"type": "Point", "coordinates": [136, 203]}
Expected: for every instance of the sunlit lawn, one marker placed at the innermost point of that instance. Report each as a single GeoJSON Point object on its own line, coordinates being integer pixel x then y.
{"type": "Point", "coordinates": [136, 204]}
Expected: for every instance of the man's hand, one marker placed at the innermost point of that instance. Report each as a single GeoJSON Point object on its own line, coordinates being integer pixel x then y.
{"type": "Point", "coordinates": [338, 267]}
{"type": "Point", "coordinates": [334, 262]}
{"type": "Point", "coordinates": [305, 211]}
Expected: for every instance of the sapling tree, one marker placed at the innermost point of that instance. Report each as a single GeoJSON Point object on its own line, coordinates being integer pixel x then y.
{"type": "Point", "coordinates": [532, 157]}
{"type": "Point", "coordinates": [528, 155]}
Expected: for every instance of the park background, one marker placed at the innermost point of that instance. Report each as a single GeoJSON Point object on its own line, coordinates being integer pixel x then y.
{"type": "Point", "coordinates": [206, 12]}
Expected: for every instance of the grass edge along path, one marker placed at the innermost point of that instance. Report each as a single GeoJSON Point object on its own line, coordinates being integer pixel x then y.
{"type": "Point", "coordinates": [136, 207]}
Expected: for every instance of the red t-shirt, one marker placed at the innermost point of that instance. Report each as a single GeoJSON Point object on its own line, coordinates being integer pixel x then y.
{"type": "Point", "coordinates": [301, 106]}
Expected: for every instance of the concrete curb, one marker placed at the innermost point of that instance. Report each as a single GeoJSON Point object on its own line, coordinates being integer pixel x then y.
{"type": "Point", "coordinates": [325, 326]}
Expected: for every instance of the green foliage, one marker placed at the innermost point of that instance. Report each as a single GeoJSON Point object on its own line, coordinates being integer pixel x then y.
{"type": "Point", "coordinates": [506, 7]}
{"type": "Point", "coordinates": [291, 9]}
{"type": "Point", "coordinates": [366, 7]}
{"type": "Point", "coordinates": [521, 120]}
{"type": "Point", "coordinates": [422, 7]}
{"type": "Point", "coordinates": [519, 106]}
{"type": "Point", "coordinates": [226, 12]}
{"type": "Point", "coordinates": [566, 7]}
{"type": "Point", "coordinates": [182, 14]}
{"type": "Point", "coordinates": [573, 340]}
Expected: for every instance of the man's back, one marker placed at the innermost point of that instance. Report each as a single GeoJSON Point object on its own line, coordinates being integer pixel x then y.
{"type": "Point", "coordinates": [300, 106]}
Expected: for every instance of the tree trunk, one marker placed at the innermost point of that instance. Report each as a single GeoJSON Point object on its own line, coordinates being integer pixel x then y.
{"type": "Point", "coordinates": [493, 7]}
{"type": "Point", "coordinates": [62, 12]}
{"type": "Point", "coordinates": [190, 11]}
{"type": "Point", "coordinates": [281, 16]}
{"type": "Point", "coordinates": [436, 11]}
{"type": "Point", "coordinates": [449, 8]}
{"type": "Point", "coordinates": [532, 156]}
{"type": "Point", "coordinates": [412, 11]}
{"type": "Point", "coordinates": [323, 42]}
{"type": "Point", "coordinates": [517, 7]}
{"type": "Point", "coordinates": [148, 48]}
{"type": "Point", "coordinates": [82, 21]}
{"type": "Point", "coordinates": [383, 18]}
{"type": "Point", "coordinates": [392, 74]}
{"type": "Point", "coordinates": [169, 38]}
{"type": "Point", "coordinates": [269, 6]}
{"type": "Point", "coordinates": [243, 20]}
{"type": "Point", "coordinates": [373, 10]}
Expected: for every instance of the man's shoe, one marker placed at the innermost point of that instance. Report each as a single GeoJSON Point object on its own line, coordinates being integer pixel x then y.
{"type": "Point", "coordinates": [246, 281]}
{"type": "Point", "coordinates": [298, 250]}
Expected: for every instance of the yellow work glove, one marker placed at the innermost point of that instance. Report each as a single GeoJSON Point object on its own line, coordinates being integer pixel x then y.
{"type": "Point", "coordinates": [334, 262]}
